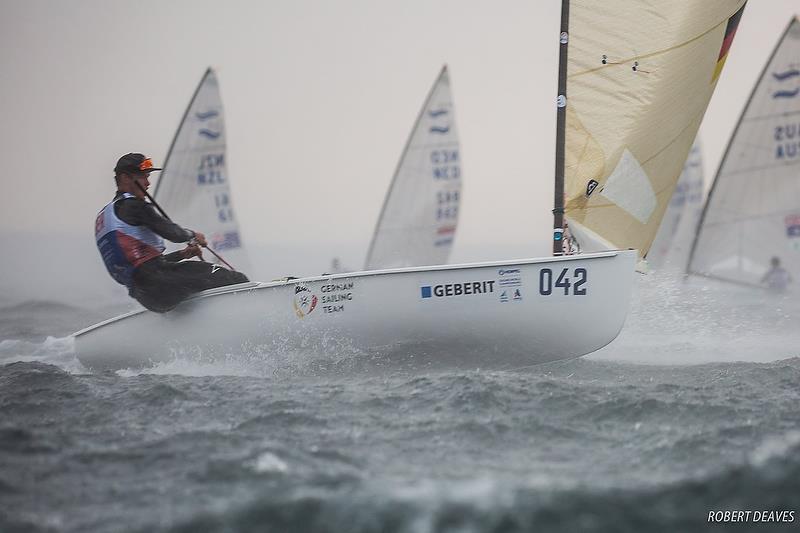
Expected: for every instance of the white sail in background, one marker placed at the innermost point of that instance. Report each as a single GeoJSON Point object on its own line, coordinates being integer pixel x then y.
{"type": "Point", "coordinates": [753, 208]}
{"type": "Point", "coordinates": [418, 222]}
{"type": "Point", "coordinates": [639, 79]}
{"type": "Point", "coordinates": [193, 187]}
{"type": "Point", "coordinates": [676, 234]}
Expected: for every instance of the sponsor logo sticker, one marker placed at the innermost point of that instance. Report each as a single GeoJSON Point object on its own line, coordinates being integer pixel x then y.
{"type": "Point", "coordinates": [305, 301]}
{"type": "Point", "coordinates": [335, 295]}
{"type": "Point", "coordinates": [450, 290]}
{"type": "Point", "coordinates": [509, 277]}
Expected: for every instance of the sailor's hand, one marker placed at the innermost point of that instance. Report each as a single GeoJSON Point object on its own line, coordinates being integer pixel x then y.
{"type": "Point", "coordinates": [200, 239]}
{"type": "Point", "coordinates": [193, 250]}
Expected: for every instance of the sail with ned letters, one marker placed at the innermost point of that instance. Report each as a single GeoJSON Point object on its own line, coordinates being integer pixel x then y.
{"type": "Point", "coordinates": [418, 221]}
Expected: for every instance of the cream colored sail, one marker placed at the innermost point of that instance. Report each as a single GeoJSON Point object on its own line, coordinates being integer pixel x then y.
{"type": "Point", "coordinates": [753, 210]}
{"type": "Point", "coordinates": [637, 89]}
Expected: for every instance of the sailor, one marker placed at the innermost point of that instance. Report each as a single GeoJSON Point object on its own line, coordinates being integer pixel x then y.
{"type": "Point", "coordinates": [130, 233]}
{"type": "Point", "coordinates": [777, 279]}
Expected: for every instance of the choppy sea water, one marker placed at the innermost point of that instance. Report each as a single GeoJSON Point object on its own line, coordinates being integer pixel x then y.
{"type": "Point", "coordinates": [693, 409]}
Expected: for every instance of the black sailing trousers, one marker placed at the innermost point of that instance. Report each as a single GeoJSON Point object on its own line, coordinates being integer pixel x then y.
{"type": "Point", "coordinates": [160, 285]}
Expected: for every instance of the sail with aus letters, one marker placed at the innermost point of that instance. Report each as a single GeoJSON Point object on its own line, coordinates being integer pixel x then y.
{"type": "Point", "coordinates": [418, 221]}
{"type": "Point", "coordinates": [636, 89]}
{"type": "Point", "coordinates": [194, 188]}
{"type": "Point", "coordinates": [753, 209]}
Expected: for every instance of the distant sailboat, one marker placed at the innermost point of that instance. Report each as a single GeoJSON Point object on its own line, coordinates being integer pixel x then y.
{"type": "Point", "coordinates": [418, 221]}
{"type": "Point", "coordinates": [194, 186]}
{"type": "Point", "coordinates": [632, 92]}
{"type": "Point", "coordinates": [753, 209]}
{"type": "Point", "coordinates": [673, 242]}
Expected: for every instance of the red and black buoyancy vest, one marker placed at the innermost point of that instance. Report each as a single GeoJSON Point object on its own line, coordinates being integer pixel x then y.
{"type": "Point", "coordinates": [123, 246]}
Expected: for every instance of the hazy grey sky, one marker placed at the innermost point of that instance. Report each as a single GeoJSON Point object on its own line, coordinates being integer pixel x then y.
{"type": "Point", "coordinates": [319, 97]}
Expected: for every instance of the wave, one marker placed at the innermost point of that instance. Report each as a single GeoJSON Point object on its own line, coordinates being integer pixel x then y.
{"type": "Point", "coordinates": [582, 445]}
{"type": "Point", "coordinates": [56, 351]}
{"type": "Point", "coordinates": [491, 504]}
{"type": "Point", "coordinates": [37, 319]}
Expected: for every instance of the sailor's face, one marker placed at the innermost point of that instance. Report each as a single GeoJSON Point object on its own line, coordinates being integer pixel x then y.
{"type": "Point", "coordinates": [142, 179]}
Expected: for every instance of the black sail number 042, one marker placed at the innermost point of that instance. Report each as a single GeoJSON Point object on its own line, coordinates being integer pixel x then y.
{"type": "Point", "coordinates": [548, 282]}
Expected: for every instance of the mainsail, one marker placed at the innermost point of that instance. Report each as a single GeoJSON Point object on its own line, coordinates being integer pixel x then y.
{"type": "Point", "coordinates": [670, 249]}
{"type": "Point", "coordinates": [637, 87]}
{"type": "Point", "coordinates": [193, 188]}
{"type": "Point", "coordinates": [753, 209]}
{"type": "Point", "coordinates": [418, 222]}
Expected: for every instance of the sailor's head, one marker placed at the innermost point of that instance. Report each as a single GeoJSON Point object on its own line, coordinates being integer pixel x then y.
{"type": "Point", "coordinates": [132, 173]}
{"type": "Point", "coordinates": [775, 261]}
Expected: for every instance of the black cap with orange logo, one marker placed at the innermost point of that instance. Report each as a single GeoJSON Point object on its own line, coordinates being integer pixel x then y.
{"type": "Point", "coordinates": [135, 164]}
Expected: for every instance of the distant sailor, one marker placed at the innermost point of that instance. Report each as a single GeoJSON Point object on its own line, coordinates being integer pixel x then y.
{"type": "Point", "coordinates": [777, 279]}
{"type": "Point", "coordinates": [130, 233]}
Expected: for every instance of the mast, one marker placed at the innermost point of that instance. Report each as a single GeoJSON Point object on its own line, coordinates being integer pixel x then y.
{"type": "Point", "coordinates": [561, 121]}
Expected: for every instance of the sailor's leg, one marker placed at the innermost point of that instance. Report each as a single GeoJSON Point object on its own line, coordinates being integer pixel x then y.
{"type": "Point", "coordinates": [199, 275]}
{"type": "Point", "coordinates": [160, 285]}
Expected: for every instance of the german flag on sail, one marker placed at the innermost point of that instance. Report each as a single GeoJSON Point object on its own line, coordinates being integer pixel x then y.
{"type": "Point", "coordinates": [730, 31]}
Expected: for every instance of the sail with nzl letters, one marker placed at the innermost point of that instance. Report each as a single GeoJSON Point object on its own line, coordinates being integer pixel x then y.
{"type": "Point", "coordinates": [753, 210]}
{"type": "Point", "coordinates": [194, 185]}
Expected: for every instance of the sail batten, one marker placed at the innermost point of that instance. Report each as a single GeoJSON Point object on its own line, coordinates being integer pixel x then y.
{"type": "Point", "coordinates": [418, 221]}
{"type": "Point", "coordinates": [634, 109]}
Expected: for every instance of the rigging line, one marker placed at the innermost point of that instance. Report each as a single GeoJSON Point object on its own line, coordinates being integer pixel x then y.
{"type": "Point", "coordinates": [657, 52]}
{"type": "Point", "coordinates": [787, 164]}
{"type": "Point", "coordinates": [674, 139]}
{"type": "Point", "coordinates": [774, 115]}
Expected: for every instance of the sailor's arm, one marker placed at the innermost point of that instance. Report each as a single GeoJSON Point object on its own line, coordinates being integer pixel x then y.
{"type": "Point", "coordinates": [192, 250]}
{"type": "Point", "coordinates": [139, 213]}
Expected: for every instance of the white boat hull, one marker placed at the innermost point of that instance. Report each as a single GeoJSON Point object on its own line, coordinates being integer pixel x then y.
{"type": "Point", "coordinates": [487, 315]}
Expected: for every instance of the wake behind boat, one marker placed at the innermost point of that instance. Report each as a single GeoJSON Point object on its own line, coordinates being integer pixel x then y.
{"type": "Point", "coordinates": [491, 315]}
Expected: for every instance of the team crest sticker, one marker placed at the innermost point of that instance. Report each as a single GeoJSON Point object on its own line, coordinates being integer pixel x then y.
{"type": "Point", "coordinates": [304, 300]}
